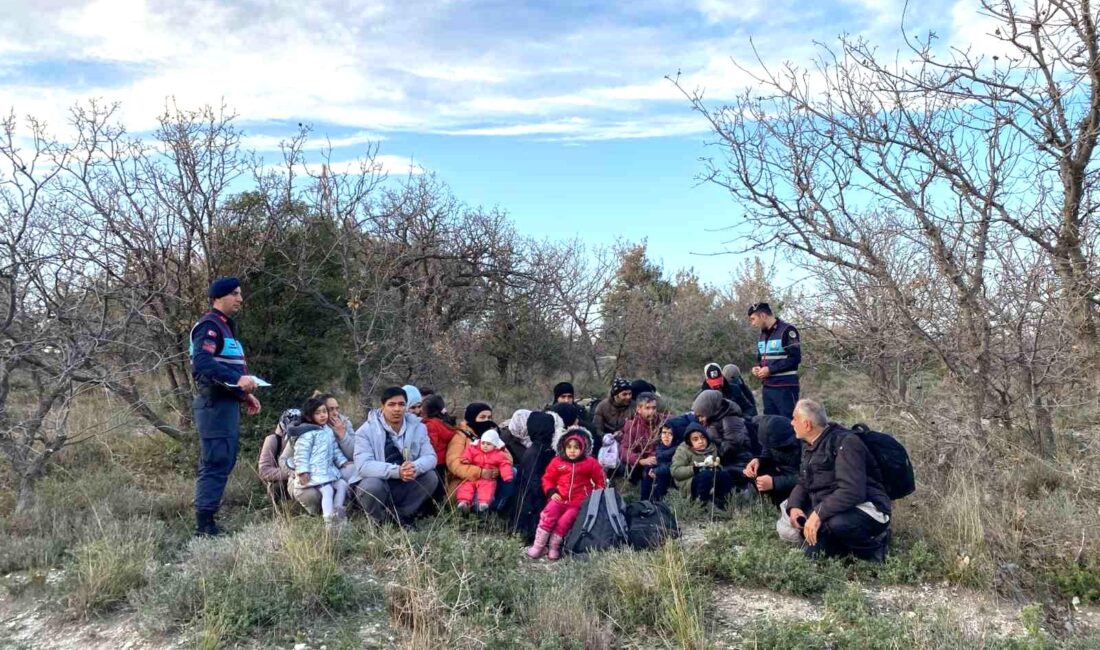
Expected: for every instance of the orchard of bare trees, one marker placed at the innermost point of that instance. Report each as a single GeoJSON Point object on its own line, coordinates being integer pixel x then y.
{"type": "Point", "coordinates": [939, 206]}
{"type": "Point", "coordinates": [945, 201]}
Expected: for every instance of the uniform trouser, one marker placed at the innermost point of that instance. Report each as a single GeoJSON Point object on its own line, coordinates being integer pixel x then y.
{"type": "Point", "coordinates": [383, 499]}
{"type": "Point", "coordinates": [849, 532]}
{"type": "Point", "coordinates": [216, 460]}
{"type": "Point", "coordinates": [780, 400]}
{"type": "Point", "coordinates": [218, 420]}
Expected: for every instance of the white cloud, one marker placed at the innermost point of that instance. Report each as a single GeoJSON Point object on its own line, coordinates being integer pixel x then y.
{"type": "Point", "coordinates": [262, 142]}
{"type": "Point", "coordinates": [416, 66]}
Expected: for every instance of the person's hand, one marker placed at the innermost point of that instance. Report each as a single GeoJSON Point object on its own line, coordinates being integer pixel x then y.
{"type": "Point", "coordinates": [811, 528]}
{"type": "Point", "coordinates": [557, 498]}
{"type": "Point", "coordinates": [246, 383]}
{"type": "Point", "coordinates": [763, 372]}
{"type": "Point", "coordinates": [793, 514]}
{"type": "Point", "coordinates": [465, 461]}
{"type": "Point", "coordinates": [755, 371]}
{"type": "Point", "coordinates": [764, 483]}
{"type": "Point", "coordinates": [490, 473]}
{"type": "Point", "coordinates": [752, 468]}
{"type": "Point", "coordinates": [408, 471]}
{"type": "Point", "coordinates": [303, 479]}
{"type": "Point", "coordinates": [252, 405]}
{"type": "Point", "coordinates": [652, 474]}
{"type": "Point", "coordinates": [648, 462]}
{"type": "Point", "coordinates": [346, 463]}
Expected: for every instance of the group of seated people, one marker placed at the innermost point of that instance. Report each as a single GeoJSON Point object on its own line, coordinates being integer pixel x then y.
{"type": "Point", "coordinates": [410, 457]}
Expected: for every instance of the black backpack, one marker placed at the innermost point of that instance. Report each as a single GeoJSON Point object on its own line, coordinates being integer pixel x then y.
{"type": "Point", "coordinates": [894, 468]}
{"type": "Point", "coordinates": [651, 524]}
{"type": "Point", "coordinates": [601, 524]}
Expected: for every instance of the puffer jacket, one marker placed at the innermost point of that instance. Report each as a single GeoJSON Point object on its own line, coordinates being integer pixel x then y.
{"type": "Point", "coordinates": [456, 471]}
{"type": "Point", "coordinates": [685, 458]}
{"type": "Point", "coordinates": [609, 418]}
{"type": "Point", "coordinates": [726, 428]}
{"type": "Point", "coordinates": [370, 447]}
{"type": "Point", "coordinates": [781, 454]}
{"type": "Point", "coordinates": [440, 434]}
{"type": "Point", "coordinates": [837, 473]}
{"type": "Point", "coordinates": [497, 458]}
{"type": "Point", "coordinates": [316, 452]}
{"type": "Point", "coordinates": [574, 480]}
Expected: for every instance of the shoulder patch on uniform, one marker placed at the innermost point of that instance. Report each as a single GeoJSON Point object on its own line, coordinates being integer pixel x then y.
{"type": "Point", "coordinates": [211, 333]}
{"type": "Point", "coordinates": [794, 334]}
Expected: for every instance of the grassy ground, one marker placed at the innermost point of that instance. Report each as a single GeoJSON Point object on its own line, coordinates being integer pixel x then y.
{"type": "Point", "coordinates": [108, 543]}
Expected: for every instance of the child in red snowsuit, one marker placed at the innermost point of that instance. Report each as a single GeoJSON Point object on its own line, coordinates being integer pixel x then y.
{"type": "Point", "coordinates": [486, 454]}
{"type": "Point", "coordinates": [567, 482]}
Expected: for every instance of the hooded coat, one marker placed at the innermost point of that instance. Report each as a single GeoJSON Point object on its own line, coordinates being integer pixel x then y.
{"type": "Point", "coordinates": [726, 428]}
{"type": "Point", "coordinates": [780, 456]}
{"type": "Point", "coordinates": [685, 457]}
{"type": "Point", "coordinates": [573, 479]}
{"type": "Point", "coordinates": [530, 499]}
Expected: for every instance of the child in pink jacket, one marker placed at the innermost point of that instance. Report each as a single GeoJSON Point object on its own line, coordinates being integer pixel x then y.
{"type": "Point", "coordinates": [486, 454]}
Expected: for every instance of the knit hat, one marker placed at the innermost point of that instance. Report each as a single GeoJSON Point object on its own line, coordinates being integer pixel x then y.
{"type": "Point", "coordinates": [639, 386]}
{"type": "Point", "coordinates": [569, 413]}
{"type": "Point", "coordinates": [222, 287]}
{"type": "Point", "coordinates": [412, 394]}
{"type": "Point", "coordinates": [619, 385]}
{"type": "Point", "coordinates": [713, 375]}
{"type": "Point", "coordinates": [708, 404]}
{"type": "Point", "coordinates": [492, 437]}
{"type": "Point", "coordinates": [731, 372]}
{"type": "Point", "coordinates": [472, 411]}
{"type": "Point", "coordinates": [563, 388]}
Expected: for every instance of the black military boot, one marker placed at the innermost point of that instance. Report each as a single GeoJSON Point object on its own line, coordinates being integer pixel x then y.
{"type": "Point", "coordinates": [205, 525]}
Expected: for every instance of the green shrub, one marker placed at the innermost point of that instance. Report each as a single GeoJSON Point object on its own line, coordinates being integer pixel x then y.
{"type": "Point", "coordinates": [1073, 579]}
{"type": "Point", "coordinates": [273, 576]}
{"type": "Point", "coordinates": [106, 568]}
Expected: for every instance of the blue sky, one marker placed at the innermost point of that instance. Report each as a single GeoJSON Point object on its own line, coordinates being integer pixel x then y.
{"type": "Point", "coordinates": [557, 112]}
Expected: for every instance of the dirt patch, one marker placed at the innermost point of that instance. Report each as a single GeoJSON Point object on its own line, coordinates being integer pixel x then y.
{"type": "Point", "coordinates": [977, 614]}
{"type": "Point", "coordinates": [25, 626]}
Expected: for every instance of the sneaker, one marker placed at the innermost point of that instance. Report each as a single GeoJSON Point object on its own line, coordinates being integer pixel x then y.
{"type": "Point", "coordinates": [482, 508]}
{"type": "Point", "coordinates": [463, 507]}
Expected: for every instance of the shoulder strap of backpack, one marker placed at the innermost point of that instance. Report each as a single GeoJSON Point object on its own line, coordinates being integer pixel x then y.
{"type": "Point", "coordinates": [614, 514]}
{"type": "Point", "coordinates": [593, 510]}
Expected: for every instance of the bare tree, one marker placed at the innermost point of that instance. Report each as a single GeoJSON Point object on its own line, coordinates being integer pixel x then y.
{"type": "Point", "coordinates": [917, 179]}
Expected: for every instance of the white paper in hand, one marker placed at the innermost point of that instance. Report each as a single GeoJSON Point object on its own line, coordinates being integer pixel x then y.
{"type": "Point", "coordinates": [260, 383]}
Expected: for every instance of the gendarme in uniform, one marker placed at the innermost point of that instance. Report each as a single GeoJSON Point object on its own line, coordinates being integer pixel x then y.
{"type": "Point", "coordinates": [779, 351]}
{"type": "Point", "coordinates": [218, 366]}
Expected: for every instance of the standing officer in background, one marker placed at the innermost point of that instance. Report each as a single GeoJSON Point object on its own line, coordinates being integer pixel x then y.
{"type": "Point", "coordinates": [779, 351]}
{"type": "Point", "coordinates": [220, 372]}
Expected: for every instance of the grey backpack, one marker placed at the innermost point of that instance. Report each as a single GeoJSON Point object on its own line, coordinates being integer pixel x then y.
{"type": "Point", "coordinates": [601, 525]}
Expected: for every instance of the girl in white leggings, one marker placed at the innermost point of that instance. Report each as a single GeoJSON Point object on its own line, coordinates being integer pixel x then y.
{"type": "Point", "coordinates": [318, 459]}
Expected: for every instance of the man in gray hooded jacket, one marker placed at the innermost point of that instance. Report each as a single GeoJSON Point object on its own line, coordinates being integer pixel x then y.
{"type": "Point", "coordinates": [394, 460]}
